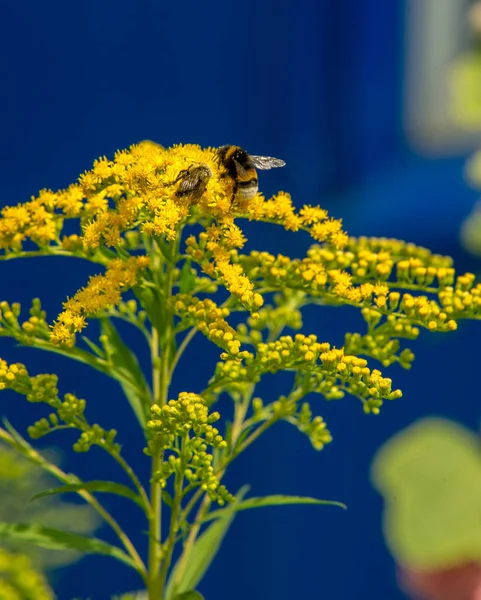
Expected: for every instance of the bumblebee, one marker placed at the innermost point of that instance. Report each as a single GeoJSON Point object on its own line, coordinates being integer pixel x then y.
{"type": "Point", "coordinates": [193, 182]}
{"type": "Point", "coordinates": [241, 168]}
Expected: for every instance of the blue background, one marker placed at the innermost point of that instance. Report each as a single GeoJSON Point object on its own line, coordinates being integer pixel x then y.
{"type": "Point", "coordinates": [318, 83]}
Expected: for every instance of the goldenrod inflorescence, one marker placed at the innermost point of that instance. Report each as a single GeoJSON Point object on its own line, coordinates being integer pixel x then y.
{"type": "Point", "coordinates": [128, 206]}
{"type": "Point", "coordinates": [167, 230]}
{"type": "Point", "coordinates": [184, 426]}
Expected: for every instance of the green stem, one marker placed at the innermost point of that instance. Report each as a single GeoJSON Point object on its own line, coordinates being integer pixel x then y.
{"type": "Point", "coordinates": [182, 347]}
{"type": "Point", "coordinates": [206, 502]}
{"type": "Point", "coordinates": [161, 374]}
{"type": "Point", "coordinates": [135, 480]}
{"type": "Point", "coordinates": [174, 520]}
{"type": "Point", "coordinates": [155, 532]}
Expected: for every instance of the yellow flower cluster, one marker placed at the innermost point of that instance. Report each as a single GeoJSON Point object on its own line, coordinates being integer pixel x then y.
{"type": "Point", "coordinates": [370, 259]}
{"type": "Point", "coordinates": [33, 220]}
{"type": "Point", "coordinates": [187, 419]}
{"type": "Point", "coordinates": [464, 299]}
{"type": "Point", "coordinates": [19, 580]}
{"type": "Point", "coordinates": [327, 371]}
{"type": "Point", "coordinates": [315, 220]}
{"type": "Point", "coordinates": [209, 319]}
{"type": "Point", "coordinates": [216, 262]}
{"type": "Point", "coordinates": [101, 293]}
{"type": "Point", "coordinates": [136, 194]}
{"type": "Point", "coordinates": [309, 275]}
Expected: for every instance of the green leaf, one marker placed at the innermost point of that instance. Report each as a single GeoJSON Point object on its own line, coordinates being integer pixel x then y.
{"type": "Point", "coordinates": [95, 349]}
{"type": "Point", "coordinates": [189, 596]}
{"type": "Point", "coordinates": [263, 501]}
{"type": "Point", "coordinates": [53, 539]}
{"type": "Point", "coordinates": [202, 554]}
{"type": "Point", "coordinates": [126, 364]}
{"type": "Point", "coordinates": [167, 498]}
{"type": "Point", "coordinates": [430, 477]}
{"type": "Point", "coordinates": [187, 280]}
{"type": "Point", "coordinates": [88, 358]}
{"type": "Point", "coordinates": [93, 486]}
{"type": "Point", "coordinates": [151, 303]}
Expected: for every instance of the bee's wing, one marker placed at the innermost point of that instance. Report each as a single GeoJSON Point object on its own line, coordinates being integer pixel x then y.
{"type": "Point", "coordinates": [189, 181]}
{"type": "Point", "coordinates": [266, 162]}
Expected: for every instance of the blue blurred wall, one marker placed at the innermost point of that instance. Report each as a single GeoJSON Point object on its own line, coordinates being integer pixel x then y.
{"type": "Point", "coordinates": [318, 83]}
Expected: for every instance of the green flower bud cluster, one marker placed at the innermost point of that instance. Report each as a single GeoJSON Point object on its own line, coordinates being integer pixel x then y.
{"type": "Point", "coordinates": [184, 428]}
{"type": "Point", "coordinates": [397, 249]}
{"type": "Point", "coordinates": [356, 378]}
{"type": "Point", "coordinates": [131, 240]}
{"type": "Point", "coordinates": [284, 313]}
{"type": "Point", "coordinates": [97, 436]}
{"type": "Point", "coordinates": [425, 312]}
{"type": "Point", "coordinates": [380, 346]}
{"type": "Point", "coordinates": [281, 272]}
{"type": "Point", "coordinates": [19, 580]}
{"type": "Point", "coordinates": [287, 408]}
{"type": "Point", "coordinates": [415, 272]}
{"type": "Point", "coordinates": [69, 412]}
{"type": "Point", "coordinates": [382, 340]}
{"type": "Point", "coordinates": [313, 426]}
{"type": "Point", "coordinates": [130, 311]}
{"type": "Point", "coordinates": [27, 332]}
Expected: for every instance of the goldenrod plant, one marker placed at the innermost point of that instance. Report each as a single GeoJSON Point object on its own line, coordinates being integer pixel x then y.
{"type": "Point", "coordinates": [171, 264]}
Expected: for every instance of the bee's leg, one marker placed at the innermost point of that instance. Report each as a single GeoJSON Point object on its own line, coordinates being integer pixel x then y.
{"type": "Point", "coordinates": [235, 189]}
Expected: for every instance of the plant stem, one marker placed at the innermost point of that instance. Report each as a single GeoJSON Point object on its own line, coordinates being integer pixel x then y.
{"type": "Point", "coordinates": [161, 343]}
{"type": "Point", "coordinates": [174, 522]}
{"type": "Point", "coordinates": [135, 480]}
{"type": "Point", "coordinates": [155, 520]}
{"type": "Point", "coordinates": [239, 417]}
{"type": "Point", "coordinates": [182, 347]}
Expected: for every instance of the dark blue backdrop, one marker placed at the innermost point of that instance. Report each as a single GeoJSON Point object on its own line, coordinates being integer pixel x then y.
{"type": "Point", "coordinates": [318, 83]}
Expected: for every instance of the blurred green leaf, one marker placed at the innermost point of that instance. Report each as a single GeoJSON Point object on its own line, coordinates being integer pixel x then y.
{"type": "Point", "coordinates": [430, 477]}
{"type": "Point", "coordinates": [23, 475]}
{"type": "Point", "coordinates": [54, 539]}
{"type": "Point", "coordinates": [189, 596]}
{"type": "Point", "coordinates": [93, 486]}
{"type": "Point", "coordinates": [127, 365]}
